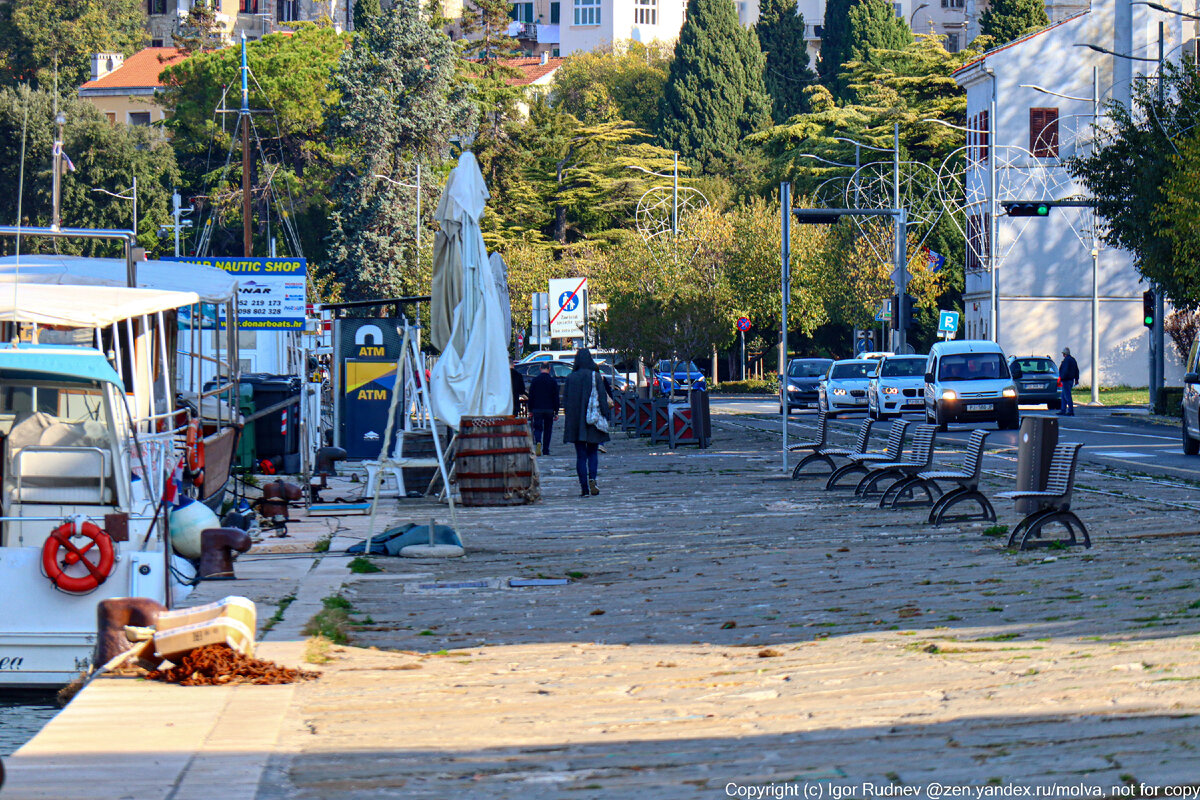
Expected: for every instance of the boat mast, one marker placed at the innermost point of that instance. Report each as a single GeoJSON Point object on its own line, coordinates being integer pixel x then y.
{"type": "Point", "coordinates": [247, 245]}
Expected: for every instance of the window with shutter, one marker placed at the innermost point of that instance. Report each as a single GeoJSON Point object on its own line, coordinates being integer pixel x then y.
{"type": "Point", "coordinates": [1043, 132]}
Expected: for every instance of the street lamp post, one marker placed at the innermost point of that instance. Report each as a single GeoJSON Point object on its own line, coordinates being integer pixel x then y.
{"type": "Point", "coordinates": [122, 196]}
{"type": "Point", "coordinates": [60, 120]}
{"type": "Point", "coordinates": [417, 187]}
{"type": "Point", "coordinates": [1157, 334]}
{"type": "Point", "coordinates": [1095, 99]}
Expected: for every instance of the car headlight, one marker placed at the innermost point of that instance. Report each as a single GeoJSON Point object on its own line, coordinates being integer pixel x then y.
{"type": "Point", "coordinates": [840, 392]}
{"type": "Point", "coordinates": [891, 390]}
{"type": "Point", "coordinates": [1010, 392]}
{"type": "Point", "coordinates": [792, 388]}
{"type": "Point", "coordinates": [949, 394]}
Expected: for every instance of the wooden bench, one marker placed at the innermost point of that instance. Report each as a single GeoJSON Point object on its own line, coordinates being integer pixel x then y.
{"type": "Point", "coordinates": [862, 461]}
{"type": "Point", "coordinates": [1053, 503]}
{"type": "Point", "coordinates": [826, 454]}
{"type": "Point", "coordinates": [967, 479]}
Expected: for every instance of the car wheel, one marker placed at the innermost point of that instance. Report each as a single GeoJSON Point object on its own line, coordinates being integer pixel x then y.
{"type": "Point", "coordinates": [872, 413]}
{"type": "Point", "coordinates": [1190, 446]}
{"type": "Point", "coordinates": [1054, 405]}
{"type": "Point", "coordinates": [941, 419]}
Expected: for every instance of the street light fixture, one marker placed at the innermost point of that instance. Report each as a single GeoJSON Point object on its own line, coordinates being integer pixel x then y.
{"type": "Point", "coordinates": [1164, 9]}
{"type": "Point", "coordinates": [674, 190]}
{"type": "Point", "coordinates": [122, 196]}
{"type": "Point", "coordinates": [416, 186]}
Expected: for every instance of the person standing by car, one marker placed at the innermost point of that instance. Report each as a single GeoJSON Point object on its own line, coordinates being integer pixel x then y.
{"type": "Point", "coordinates": [518, 388]}
{"type": "Point", "coordinates": [586, 436]}
{"type": "Point", "coordinates": [1068, 373]}
{"type": "Point", "coordinates": [543, 408]}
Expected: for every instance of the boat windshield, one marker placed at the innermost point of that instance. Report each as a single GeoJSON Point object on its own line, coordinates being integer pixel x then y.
{"type": "Point", "coordinates": [53, 413]}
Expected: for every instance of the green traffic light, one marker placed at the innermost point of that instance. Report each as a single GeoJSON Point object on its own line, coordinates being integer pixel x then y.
{"type": "Point", "coordinates": [1149, 321]}
{"type": "Point", "coordinates": [1043, 210]}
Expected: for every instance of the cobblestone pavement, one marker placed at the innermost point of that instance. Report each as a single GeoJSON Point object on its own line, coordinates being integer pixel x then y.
{"type": "Point", "coordinates": [726, 627]}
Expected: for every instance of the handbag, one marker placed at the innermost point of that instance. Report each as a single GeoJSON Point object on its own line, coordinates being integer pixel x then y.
{"type": "Point", "coordinates": [594, 417]}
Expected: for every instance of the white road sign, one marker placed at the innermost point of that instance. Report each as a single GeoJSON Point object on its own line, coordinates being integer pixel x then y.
{"type": "Point", "coordinates": [568, 307]}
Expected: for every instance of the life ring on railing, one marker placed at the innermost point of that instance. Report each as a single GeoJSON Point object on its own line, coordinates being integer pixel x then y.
{"type": "Point", "coordinates": [195, 452]}
{"type": "Point", "coordinates": [60, 539]}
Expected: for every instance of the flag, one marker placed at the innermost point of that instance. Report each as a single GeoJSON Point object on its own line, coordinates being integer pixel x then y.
{"type": "Point", "coordinates": [936, 261]}
{"type": "Point", "coordinates": [69, 166]}
{"type": "Point", "coordinates": [171, 491]}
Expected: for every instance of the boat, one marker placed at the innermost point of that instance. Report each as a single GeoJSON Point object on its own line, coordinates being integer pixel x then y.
{"type": "Point", "coordinates": [86, 450]}
{"type": "Point", "coordinates": [192, 349]}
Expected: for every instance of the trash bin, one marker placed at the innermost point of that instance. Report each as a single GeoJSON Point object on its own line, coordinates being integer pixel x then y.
{"type": "Point", "coordinates": [276, 435]}
{"type": "Point", "coordinates": [1036, 441]}
{"type": "Point", "coordinates": [245, 457]}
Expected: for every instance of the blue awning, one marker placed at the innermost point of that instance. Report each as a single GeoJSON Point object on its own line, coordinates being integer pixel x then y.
{"type": "Point", "coordinates": [59, 361]}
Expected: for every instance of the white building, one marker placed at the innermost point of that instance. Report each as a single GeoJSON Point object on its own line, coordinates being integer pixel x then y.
{"type": "Point", "coordinates": [1044, 265]}
{"type": "Point", "coordinates": [588, 24]}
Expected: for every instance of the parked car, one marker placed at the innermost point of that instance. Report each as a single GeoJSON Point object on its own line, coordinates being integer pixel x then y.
{"type": "Point", "coordinates": [845, 386]}
{"type": "Point", "coordinates": [677, 376]}
{"type": "Point", "coordinates": [1190, 426]}
{"type": "Point", "coordinates": [897, 385]}
{"type": "Point", "coordinates": [560, 369]}
{"type": "Point", "coordinates": [969, 381]}
{"type": "Point", "coordinates": [874, 355]}
{"type": "Point", "coordinates": [803, 377]}
{"type": "Point", "coordinates": [1036, 379]}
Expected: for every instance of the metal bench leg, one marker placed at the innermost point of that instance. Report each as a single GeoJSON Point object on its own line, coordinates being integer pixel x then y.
{"type": "Point", "coordinates": [799, 473]}
{"type": "Point", "coordinates": [896, 488]}
{"type": "Point", "coordinates": [841, 472]}
{"type": "Point", "coordinates": [870, 482]}
{"type": "Point", "coordinates": [938, 514]}
{"type": "Point", "coordinates": [1068, 519]}
{"type": "Point", "coordinates": [909, 488]}
{"type": "Point", "coordinates": [1024, 525]}
{"type": "Point", "coordinates": [944, 502]}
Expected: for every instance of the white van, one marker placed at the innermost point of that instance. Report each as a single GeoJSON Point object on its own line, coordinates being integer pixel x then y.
{"type": "Point", "coordinates": [969, 381]}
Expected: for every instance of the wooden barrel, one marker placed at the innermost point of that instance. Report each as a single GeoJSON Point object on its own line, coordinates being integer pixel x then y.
{"type": "Point", "coordinates": [494, 463]}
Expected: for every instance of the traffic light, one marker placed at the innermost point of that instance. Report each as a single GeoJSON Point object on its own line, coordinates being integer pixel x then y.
{"type": "Point", "coordinates": [811, 216]}
{"type": "Point", "coordinates": [895, 312]}
{"type": "Point", "coordinates": [1148, 309]}
{"type": "Point", "coordinates": [909, 301]}
{"type": "Point", "coordinates": [1027, 209]}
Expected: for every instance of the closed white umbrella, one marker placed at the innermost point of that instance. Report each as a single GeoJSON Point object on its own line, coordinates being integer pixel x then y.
{"type": "Point", "coordinates": [472, 376]}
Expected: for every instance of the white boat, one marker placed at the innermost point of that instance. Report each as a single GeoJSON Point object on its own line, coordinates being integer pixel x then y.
{"type": "Point", "coordinates": [188, 351]}
{"type": "Point", "coordinates": [84, 463]}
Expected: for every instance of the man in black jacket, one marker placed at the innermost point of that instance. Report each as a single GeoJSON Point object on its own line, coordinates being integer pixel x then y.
{"type": "Point", "coordinates": [543, 408]}
{"type": "Point", "coordinates": [1068, 373]}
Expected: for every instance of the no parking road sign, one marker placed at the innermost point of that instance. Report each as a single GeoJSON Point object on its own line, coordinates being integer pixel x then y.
{"type": "Point", "coordinates": [743, 324]}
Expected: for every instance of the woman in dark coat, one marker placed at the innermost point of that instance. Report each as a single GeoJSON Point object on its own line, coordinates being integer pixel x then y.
{"type": "Point", "coordinates": [576, 430]}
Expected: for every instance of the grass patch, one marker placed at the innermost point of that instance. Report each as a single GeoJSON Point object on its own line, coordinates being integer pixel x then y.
{"type": "Point", "coordinates": [277, 617]}
{"type": "Point", "coordinates": [751, 386]}
{"type": "Point", "coordinates": [362, 565]}
{"type": "Point", "coordinates": [995, 530]}
{"type": "Point", "coordinates": [1000, 637]}
{"type": "Point", "coordinates": [1114, 396]}
{"type": "Point", "coordinates": [332, 621]}
{"type": "Point", "coordinates": [317, 650]}
{"type": "Point", "coordinates": [322, 544]}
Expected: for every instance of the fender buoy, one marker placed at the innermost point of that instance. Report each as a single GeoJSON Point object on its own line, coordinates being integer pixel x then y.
{"type": "Point", "coordinates": [195, 452]}
{"type": "Point", "coordinates": [60, 539]}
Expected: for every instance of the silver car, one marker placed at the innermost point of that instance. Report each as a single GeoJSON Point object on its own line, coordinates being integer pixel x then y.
{"type": "Point", "coordinates": [896, 386]}
{"type": "Point", "coordinates": [844, 387]}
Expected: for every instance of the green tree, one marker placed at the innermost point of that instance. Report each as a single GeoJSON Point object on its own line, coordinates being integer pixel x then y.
{"type": "Point", "coordinates": [292, 79]}
{"type": "Point", "coordinates": [853, 30]}
{"type": "Point", "coordinates": [105, 157]}
{"type": "Point", "coordinates": [714, 96]}
{"type": "Point", "coordinates": [398, 105]}
{"type": "Point", "coordinates": [1144, 168]}
{"type": "Point", "coordinates": [365, 12]}
{"type": "Point", "coordinates": [1005, 20]}
{"type": "Point", "coordinates": [781, 35]}
{"type": "Point", "coordinates": [622, 81]}
{"type": "Point", "coordinates": [35, 35]}
{"type": "Point", "coordinates": [199, 30]}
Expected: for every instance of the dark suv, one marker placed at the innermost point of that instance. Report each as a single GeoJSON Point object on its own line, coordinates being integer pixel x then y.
{"type": "Point", "coordinates": [1036, 379]}
{"type": "Point", "coordinates": [803, 375]}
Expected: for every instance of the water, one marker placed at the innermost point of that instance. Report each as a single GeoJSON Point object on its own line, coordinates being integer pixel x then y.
{"type": "Point", "coordinates": [22, 715]}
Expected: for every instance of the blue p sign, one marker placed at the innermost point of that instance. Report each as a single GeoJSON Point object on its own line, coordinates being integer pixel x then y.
{"type": "Point", "coordinates": [948, 321]}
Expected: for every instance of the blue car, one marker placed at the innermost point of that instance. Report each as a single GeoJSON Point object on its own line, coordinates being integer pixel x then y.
{"type": "Point", "coordinates": [678, 377]}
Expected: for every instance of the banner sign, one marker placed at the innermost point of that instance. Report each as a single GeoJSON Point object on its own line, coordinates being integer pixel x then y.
{"type": "Point", "coordinates": [271, 291]}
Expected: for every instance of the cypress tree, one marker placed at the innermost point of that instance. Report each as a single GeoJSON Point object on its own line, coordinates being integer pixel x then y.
{"type": "Point", "coordinates": [398, 105]}
{"type": "Point", "coordinates": [714, 95]}
{"type": "Point", "coordinates": [781, 35]}
{"type": "Point", "coordinates": [365, 11]}
{"type": "Point", "coordinates": [852, 29]}
{"type": "Point", "coordinates": [1005, 20]}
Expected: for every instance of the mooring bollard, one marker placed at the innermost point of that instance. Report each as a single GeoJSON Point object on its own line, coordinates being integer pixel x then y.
{"type": "Point", "coordinates": [113, 615]}
{"type": "Point", "coordinates": [217, 546]}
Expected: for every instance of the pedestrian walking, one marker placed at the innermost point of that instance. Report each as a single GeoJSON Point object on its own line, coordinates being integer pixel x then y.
{"type": "Point", "coordinates": [1068, 374]}
{"type": "Point", "coordinates": [586, 414]}
{"type": "Point", "coordinates": [518, 388]}
{"type": "Point", "coordinates": [543, 408]}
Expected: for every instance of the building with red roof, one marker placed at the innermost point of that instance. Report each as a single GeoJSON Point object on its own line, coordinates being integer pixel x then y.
{"type": "Point", "coordinates": [124, 88]}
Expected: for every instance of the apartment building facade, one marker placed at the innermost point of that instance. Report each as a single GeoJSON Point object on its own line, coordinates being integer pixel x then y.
{"type": "Point", "coordinates": [254, 18]}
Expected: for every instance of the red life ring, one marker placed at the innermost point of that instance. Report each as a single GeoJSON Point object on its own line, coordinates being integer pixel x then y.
{"type": "Point", "coordinates": [60, 539]}
{"type": "Point", "coordinates": [195, 452]}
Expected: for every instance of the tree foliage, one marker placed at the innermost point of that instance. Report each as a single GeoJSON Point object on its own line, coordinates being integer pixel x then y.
{"type": "Point", "coordinates": [781, 36]}
{"type": "Point", "coordinates": [105, 157]}
{"type": "Point", "coordinates": [35, 35]}
{"type": "Point", "coordinates": [714, 96]}
{"type": "Point", "coordinates": [1143, 169]}
{"type": "Point", "coordinates": [398, 104]}
{"type": "Point", "coordinates": [854, 29]}
{"type": "Point", "coordinates": [1006, 20]}
{"type": "Point", "coordinates": [365, 12]}
{"type": "Point", "coordinates": [616, 82]}
{"type": "Point", "coordinates": [199, 30]}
